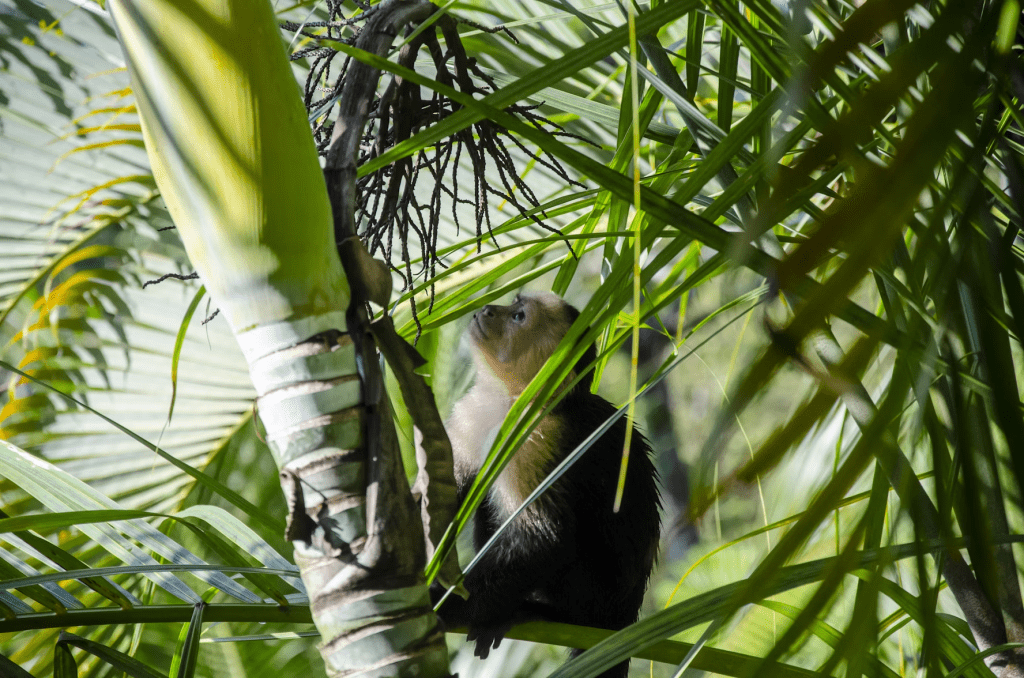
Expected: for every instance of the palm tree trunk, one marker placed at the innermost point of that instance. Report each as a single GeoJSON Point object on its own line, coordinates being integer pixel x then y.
{"type": "Point", "coordinates": [235, 162]}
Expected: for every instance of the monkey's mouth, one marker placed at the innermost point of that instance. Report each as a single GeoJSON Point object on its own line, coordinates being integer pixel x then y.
{"type": "Point", "coordinates": [479, 326]}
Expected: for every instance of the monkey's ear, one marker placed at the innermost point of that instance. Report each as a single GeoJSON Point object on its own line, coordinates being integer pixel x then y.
{"type": "Point", "coordinates": [589, 356]}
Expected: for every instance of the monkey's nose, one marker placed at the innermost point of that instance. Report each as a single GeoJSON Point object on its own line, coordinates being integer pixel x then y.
{"type": "Point", "coordinates": [487, 311]}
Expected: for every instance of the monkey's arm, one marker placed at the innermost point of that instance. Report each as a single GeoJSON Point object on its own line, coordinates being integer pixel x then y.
{"type": "Point", "coordinates": [530, 552]}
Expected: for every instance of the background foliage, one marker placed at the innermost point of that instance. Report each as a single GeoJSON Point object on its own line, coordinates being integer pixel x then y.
{"type": "Point", "coordinates": [830, 211]}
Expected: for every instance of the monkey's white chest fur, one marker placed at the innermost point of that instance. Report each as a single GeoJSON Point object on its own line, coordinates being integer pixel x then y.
{"type": "Point", "coordinates": [472, 429]}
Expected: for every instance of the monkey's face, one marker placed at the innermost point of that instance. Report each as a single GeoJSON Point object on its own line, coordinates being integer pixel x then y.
{"type": "Point", "coordinates": [516, 340]}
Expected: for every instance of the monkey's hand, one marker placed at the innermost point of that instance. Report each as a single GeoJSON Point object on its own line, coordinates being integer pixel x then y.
{"type": "Point", "coordinates": [456, 612]}
{"type": "Point", "coordinates": [489, 636]}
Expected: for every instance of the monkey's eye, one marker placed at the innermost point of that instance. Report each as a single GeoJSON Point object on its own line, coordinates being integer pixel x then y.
{"type": "Point", "coordinates": [519, 316]}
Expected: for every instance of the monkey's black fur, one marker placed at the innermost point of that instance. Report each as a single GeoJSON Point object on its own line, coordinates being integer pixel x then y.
{"type": "Point", "coordinates": [576, 561]}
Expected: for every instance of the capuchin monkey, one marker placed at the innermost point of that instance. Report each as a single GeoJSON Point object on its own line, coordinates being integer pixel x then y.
{"type": "Point", "coordinates": [569, 557]}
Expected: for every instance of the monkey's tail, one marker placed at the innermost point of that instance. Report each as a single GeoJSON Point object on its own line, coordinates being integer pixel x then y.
{"type": "Point", "coordinates": [617, 671]}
